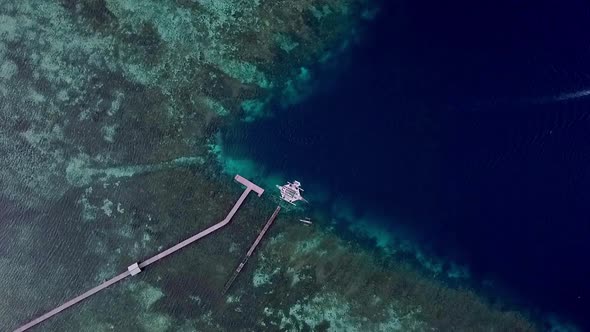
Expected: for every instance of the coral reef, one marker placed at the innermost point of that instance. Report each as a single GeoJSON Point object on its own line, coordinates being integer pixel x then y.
{"type": "Point", "coordinates": [347, 288]}
{"type": "Point", "coordinates": [108, 109]}
{"type": "Point", "coordinates": [126, 82]}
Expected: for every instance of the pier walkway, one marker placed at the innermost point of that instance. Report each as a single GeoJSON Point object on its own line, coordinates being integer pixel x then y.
{"type": "Point", "coordinates": [136, 268]}
{"type": "Point", "coordinates": [250, 251]}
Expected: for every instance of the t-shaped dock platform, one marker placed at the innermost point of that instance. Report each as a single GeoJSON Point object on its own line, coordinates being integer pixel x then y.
{"type": "Point", "coordinates": [136, 268]}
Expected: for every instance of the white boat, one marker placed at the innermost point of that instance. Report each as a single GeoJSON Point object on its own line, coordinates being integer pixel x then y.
{"type": "Point", "coordinates": [306, 221]}
{"type": "Point", "coordinates": [291, 192]}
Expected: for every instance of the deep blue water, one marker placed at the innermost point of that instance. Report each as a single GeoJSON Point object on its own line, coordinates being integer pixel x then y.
{"type": "Point", "coordinates": [457, 121]}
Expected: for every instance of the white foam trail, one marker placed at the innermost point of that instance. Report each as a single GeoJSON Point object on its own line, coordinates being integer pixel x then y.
{"type": "Point", "coordinates": [563, 97]}
{"type": "Point", "coordinates": [572, 95]}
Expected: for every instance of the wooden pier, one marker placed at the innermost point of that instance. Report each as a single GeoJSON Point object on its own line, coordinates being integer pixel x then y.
{"type": "Point", "coordinates": [136, 267]}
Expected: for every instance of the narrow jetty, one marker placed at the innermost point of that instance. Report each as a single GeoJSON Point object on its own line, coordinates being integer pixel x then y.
{"type": "Point", "coordinates": [250, 251]}
{"type": "Point", "coordinates": [136, 267]}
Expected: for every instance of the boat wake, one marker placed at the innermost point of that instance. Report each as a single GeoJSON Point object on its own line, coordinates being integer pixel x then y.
{"type": "Point", "coordinates": [561, 97]}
